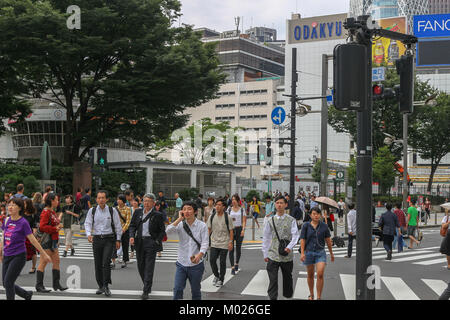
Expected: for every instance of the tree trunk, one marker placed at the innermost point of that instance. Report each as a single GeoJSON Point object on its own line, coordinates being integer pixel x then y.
{"type": "Point", "coordinates": [434, 167]}
{"type": "Point", "coordinates": [68, 136]}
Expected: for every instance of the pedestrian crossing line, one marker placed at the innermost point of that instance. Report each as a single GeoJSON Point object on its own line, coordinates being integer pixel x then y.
{"type": "Point", "coordinates": [258, 285]}
{"type": "Point", "coordinates": [430, 262]}
{"type": "Point", "coordinates": [399, 289]}
{"type": "Point", "coordinates": [207, 285]}
{"type": "Point", "coordinates": [47, 297]}
{"type": "Point", "coordinates": [395, 255]}
{"type": "Point", "coordinates": [426, 256]}
{"type": "Point", "coordinates": [438, 286]}
{"type": "Point", "coordinates": [113, 292]}
{"type": "Point", "coordinates": [302, 290]}
{"type": "Point", "coordinates": [348, 285]}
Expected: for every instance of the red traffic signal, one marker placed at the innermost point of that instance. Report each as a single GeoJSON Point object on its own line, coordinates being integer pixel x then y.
{"type": "Point", "coordinates": [377, 91]}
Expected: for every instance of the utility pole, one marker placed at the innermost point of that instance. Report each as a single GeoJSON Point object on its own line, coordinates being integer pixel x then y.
{"type": "Point", "coordinates": [324, 130]}
{"type": "Point", "coordinates": [293, 117]}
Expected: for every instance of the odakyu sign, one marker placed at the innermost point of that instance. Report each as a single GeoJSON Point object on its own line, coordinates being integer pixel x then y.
{"type": "Point", "coordinates": [321, 28]}
{"type": "Point", "coordinates": [432, 25]}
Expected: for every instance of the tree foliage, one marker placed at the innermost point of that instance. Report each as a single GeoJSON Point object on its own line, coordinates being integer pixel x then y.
{"type": "Point", "coordinates": [383, 169]}
{"type": "Point", "coordinates": [127, 73]}
{"type": "Point", "coordinates": [430, 136]}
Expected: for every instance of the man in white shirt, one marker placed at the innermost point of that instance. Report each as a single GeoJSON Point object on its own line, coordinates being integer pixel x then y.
{"type": "Point", "coordinates": [194, 242]}
{"type": "Point", "coordinates": [280, 227]}
{"type": "Point", "coordinates": [351, 221]}
{"type": "Point", "coordinates": [104, 231]}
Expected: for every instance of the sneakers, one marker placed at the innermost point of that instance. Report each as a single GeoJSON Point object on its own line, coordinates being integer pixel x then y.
{"type": "Point", "coordinates": [389, 255]}
{"type": "Point", "coordinates": [124, 265]}
{"type": "Point", "coordinates": [219, 283]}
{"type": "Point", "coordinates": [233, 272]}
{"type": "Point", "coordinates": [236, 269]}
{"type": "Point", "coordinates": [215, 281]}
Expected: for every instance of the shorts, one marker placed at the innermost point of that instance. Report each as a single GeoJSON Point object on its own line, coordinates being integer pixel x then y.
{"type": "Point", "coordinates": [412, 230]}
{"type": "Point", "coordinates": [255, 215]}
{"type": "Point", "coordinates": [69, 234]}
{"type": "Point", "coordinates": [314, 257]}
{"type": "Point", "coordinates": [50, 245]}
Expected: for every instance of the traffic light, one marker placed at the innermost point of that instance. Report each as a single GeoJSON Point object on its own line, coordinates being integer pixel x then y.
{"type": "Point", "coordinates": [102, 158]}
{"type": "Point", "coordinates": [350, 76]}
{"type": "Point", "coordinates": [377, 91]}
{"type": "Point", "coordinates": [269, 153]}
{"type": "Point", "coordinates": [405, 68]}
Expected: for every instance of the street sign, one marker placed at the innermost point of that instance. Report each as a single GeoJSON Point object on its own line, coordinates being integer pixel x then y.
{"type": "Point", "coordinates": [278, 115]}
{"type": "Point", "coordinates": [330, 97]}
{"type": "Point", "coordinates": [378, 74]}
{"type": "Point", "coordinates": [340, 175]}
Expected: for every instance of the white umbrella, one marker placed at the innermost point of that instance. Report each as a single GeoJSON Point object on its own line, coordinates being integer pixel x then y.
{"type": "Point", "coordinates": [328, 201]}
{"type": "Point", "coordinates": [446, 205]}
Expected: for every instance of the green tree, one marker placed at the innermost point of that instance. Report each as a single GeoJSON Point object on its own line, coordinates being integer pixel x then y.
{"type": "Point", "coordinates": [316, 172]}
{"type": "Point", "coordinates": [431, 134]}
{"type": "Point", "coordinates": [126, 73]}
{"type": "Point", "coordinates": [251, 194]}
{"type": "Point", "coordinates": [386, 115]}
{"type": "Point", "coordinates": [210, 133]}
{"type": "Point", "coordinates": [383, 169]}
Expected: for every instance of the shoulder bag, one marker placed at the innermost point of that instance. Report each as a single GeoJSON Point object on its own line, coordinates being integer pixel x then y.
{"type": "Point", "coordinates": [444, 230]}
{"type": "Point", "coordinates": [283, 243]}
{"type": "Point", "coordinates": [43, 237]}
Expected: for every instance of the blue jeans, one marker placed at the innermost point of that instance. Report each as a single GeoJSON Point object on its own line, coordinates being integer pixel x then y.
{"type": "Point", "coordinates": [194, 274]}
{"type": "Point", "coordinates": [394, 244]}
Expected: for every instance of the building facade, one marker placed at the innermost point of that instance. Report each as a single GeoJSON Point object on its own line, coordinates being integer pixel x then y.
{"type": "Point", "coordinates": [439, 6]}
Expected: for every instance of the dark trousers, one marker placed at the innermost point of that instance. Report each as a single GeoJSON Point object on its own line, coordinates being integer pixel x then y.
{"type": "Point", "coordinates": [350, 245]}
{"type": "Point", "coordinates": [103, 250]}
{"type": "Point", "coordinates": [146, 250]}
{"type": "Point", "coordinates": [446, 294]}
{"type": "Point", "coordinates": [387, 242]}
{"type": "Point", "coordinates": [12, 266]}
{"type": "Point", "coordinates": [288, 284]}
{"type": "Point", "coordinates": [125, 245]}
{"type": "Point", "coordinates": [238, 240]}
{"type": "Point", "coordinates": [222, 255]}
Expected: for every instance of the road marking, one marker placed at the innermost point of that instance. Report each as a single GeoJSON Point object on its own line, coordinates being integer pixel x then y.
{"type": "Point", "coordinates": [47, 297]}
{"type": "Point", "coordinates": [302, 289]}
{"type": "Point", "coordinates": [399, 289]}
{"type": "Point", "coordinates": [438, 286]}
{"type": "Point", "coordinates": [348, 284]}
{"type": "Point", "coordinates": [207, 285]}
{"type": "Point", "coordinates": [394, 256]}
{"type": "Point", "coordinates": [113, 291]}
{"type": "Point", "coordinates": [430, 262]}
{"type": "Point", "coordinates": [258, 285]}
{"type": "Point", "coordinates": [426, 256]}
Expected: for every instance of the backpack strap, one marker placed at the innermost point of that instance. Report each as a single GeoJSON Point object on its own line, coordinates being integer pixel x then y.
{"type": "Point", "coordinates": [111, 212]}
{"type": "Point", "coordinates": [120, 216]}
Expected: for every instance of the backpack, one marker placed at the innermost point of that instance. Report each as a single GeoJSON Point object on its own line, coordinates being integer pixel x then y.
{"type": "Point", "coordinates": [111, 212]}
{"type": "Point", "coordinates": [338, 242]}
{"type": "Point", "coordinates": [226, 219]}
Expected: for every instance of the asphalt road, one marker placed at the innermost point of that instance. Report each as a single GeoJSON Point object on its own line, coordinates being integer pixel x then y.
{"type": "Point", "coordinates": [415, 274]}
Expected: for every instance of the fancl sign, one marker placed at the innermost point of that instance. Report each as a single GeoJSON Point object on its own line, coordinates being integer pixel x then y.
{"type": "Point", "coordinates": [433, 25]}
{"type": "Point", "coordinates": [317, 29]}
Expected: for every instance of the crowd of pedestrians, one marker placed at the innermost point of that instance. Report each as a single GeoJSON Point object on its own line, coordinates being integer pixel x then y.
{"type": "Point", "coordinates": [139, 225]}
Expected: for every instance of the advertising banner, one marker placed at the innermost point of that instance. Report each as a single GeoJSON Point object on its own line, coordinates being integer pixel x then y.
{"type": "Point", "coordinates": [386, 50]}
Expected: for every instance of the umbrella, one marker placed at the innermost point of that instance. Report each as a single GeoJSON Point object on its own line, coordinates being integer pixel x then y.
{"type": "Point", "coordinates": [446, 205]}
{"type": "Point", "coordinates": [327, 201]}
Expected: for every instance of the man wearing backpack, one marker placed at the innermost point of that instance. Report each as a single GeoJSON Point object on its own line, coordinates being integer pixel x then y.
{"type": "Point", "coordinates": [19, 194]}
{"type": "Point", "coordinates": [220, 227]}
{"type": "Point", "coordinates": [104, 231]}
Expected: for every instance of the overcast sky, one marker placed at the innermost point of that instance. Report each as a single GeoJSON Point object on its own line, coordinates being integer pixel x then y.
{"type": "Point", "coordinates": [219, 14]}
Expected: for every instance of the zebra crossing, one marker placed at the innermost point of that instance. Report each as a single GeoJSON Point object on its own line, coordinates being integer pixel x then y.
{"type": "Point", "coordinates": [83, 251]}
{"type": "Point", "coordinates": [343, 287]}
{"type": "Point", "coordinates": [418, 256]}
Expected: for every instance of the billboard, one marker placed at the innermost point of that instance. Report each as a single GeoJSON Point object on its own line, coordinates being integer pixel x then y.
{"type": "Point", "coordinates": [386, 50]}
{"type": "Point", "coordinates": [432, 25]}
{"type": "Point", "coordinates": [321, 28]}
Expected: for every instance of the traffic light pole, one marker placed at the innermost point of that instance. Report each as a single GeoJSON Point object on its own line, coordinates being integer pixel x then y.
{"type": "Point", "coordinates": [364, 185]}
{"type": "Point", "coordinates": [405, 161]}
{"type": "Point", "coordinates": [324, 130]}
{"type": "Point", "coordinates": [293, 138]}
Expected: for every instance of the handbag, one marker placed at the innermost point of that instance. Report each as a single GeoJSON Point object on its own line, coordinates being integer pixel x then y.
{"type": "Point", "coordinates": [444, 230]}
{"type": "Point", "coordinates": [283, 243]}
{"type": "Point", "coordinates": [445, 245]}
{"type": "Point", "coordinates": [43, 237]}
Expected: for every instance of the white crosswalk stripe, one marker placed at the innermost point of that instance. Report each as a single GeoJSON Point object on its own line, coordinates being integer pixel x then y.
{"type": "Point", "coordinates": [83, 251]}
{"type": "Point", "coordinates": [428, 254]}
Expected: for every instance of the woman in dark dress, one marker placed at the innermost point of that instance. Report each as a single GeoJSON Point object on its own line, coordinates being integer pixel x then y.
{"type": "Point", "coordinates": [30, 216]}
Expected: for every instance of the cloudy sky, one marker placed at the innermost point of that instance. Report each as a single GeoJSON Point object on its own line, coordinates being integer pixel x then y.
{"type": "Point", "coordinates": [219, 14]}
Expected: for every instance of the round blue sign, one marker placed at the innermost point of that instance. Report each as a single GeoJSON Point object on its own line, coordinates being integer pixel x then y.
{"type": "Point", "coordinates": [278, 115]}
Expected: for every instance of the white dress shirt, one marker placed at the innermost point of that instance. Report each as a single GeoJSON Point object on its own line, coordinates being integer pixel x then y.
{"type": "Point", "coordinates": [145, 232]}
{"type": "Point", "coordinates": [102, 223]}
{"type": "Point", "coordinates": [351, 221]}
{"type": "Point", "coordinates": [267, 237]}
{"type": "Point", "coordinates": [187, 246]}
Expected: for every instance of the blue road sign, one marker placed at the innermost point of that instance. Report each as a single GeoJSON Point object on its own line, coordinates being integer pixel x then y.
{"type": "Point", "coordinates": [378, 74]}
{"type": "Point", "coordinates": [278, 115]}
{"type": "Point", "coordinates": [432, 25]}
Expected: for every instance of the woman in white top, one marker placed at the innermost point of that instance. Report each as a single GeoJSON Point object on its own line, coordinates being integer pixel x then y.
{"type": "Point", "coordinates": [239, 218]}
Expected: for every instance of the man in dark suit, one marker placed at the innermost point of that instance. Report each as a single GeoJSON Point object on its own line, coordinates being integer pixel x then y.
{"type": "Point", "coordinates": [147, 230]}
{"type": "Point", "coordinates": [389, 223]}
